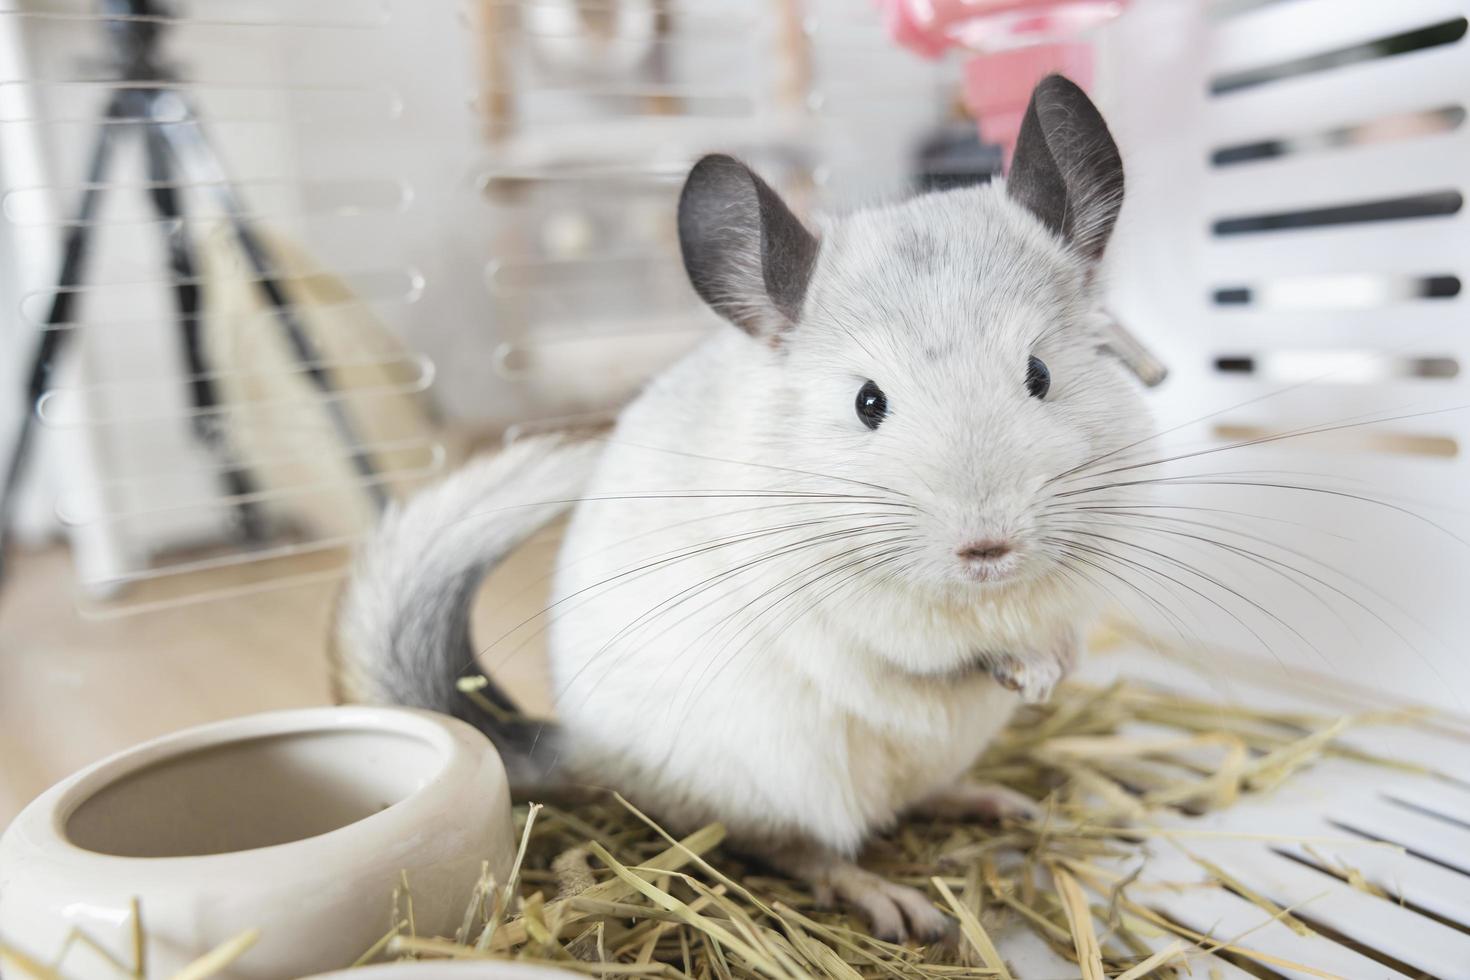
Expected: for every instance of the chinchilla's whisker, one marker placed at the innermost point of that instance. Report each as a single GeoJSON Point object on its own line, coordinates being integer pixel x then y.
{"type": "Point", "coordinates": [830, 537]}
{"type": "Point", "coordinates": [710, 582]}
{"type": "Point", "coordinates": [744, 608]}
{"type": "Point", "coordinates": [741, 612]}
{"type": "Point", "coordinates": [665, 495]}
{"type": "Point", "coordinates": [1131, 513]}
{"type": "Point", "coordinates": [712, 631]}
{"type": "Point", "coordinates": [1293, 477]}
{"type": "Point", "coordinates": [738, 536]}
{"type": "Point", "coordinates": [1263, 559]}
{"type": "Point", "coordinates": [652, 563]}
{"type": "Point", "coordinates": [693, 591]}
{"type": "Point", "coordinates": [1184, 566]}
{"type": "Point", "coordinates": [565, 562]}
{"type": "Point", "coordinates": [1191, 647]}
{"type": "Point", "coordinates": [1051, 331]}
{"type": "Point", "coordinates": [1094, 557]}
{"type": "Point", "coordinates": [1240, 515]}
{"type": "Point", "coordinates": [1281, 568]}
{"type": "Point", "coordinates": [1127, 454]}
{"type": "Point", "coordinates": [1160, 577]}
{"type": "Point", "coordinates": [1273, 474]}
{"type": "Point", "coordinates": [1339, 481]}
{"type": "Point", "coordinates": [746, 462]}
{"type": "Point", "coordinates": [1179, 626]}
{"type": "Point", "coordinates": [856, 339]}
{"type": "Point", "coordinates": [841, 310]}
{"type": "Point", "coordinates": [1275, 437]}
{"type": "Point", "coordinates": [861, 570]}
{"type": "Point", "coordinates": [1067, 565]}
{"type": "Point", "coordinates": [1306, 383]}
{"type": "Point", "coordinates": [650, 566]}
{"type": "Point", "coordinates": [892, 568]}
{"type": "Point", "coordinates": [903, 543]}
{"type": "Point", "coordinates": [1177, 481]}
{"type": "Point", "coordinates": [855, 567]}
{"type": "Point", "coordinates": [587, 556]}
{"type": "Point", "coordinates": [918, 476]}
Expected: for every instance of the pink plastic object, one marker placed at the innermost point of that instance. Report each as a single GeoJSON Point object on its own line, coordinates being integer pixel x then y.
{"type": "Point", "coordinates": [998, 86]}
{"type": "Point", "coordinates": [931, 26]}
{"type": "Point", "coordinates": [1016, 42]}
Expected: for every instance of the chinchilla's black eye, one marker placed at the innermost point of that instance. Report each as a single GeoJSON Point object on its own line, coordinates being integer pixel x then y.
{"type": "Point", "coordinates": [872, 404]}
{"type": "Point", "coordinates": [1038, 378]}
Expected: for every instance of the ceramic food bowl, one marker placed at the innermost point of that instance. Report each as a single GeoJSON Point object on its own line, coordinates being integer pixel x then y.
{"type": "Point", "coordinates": [296, 823]}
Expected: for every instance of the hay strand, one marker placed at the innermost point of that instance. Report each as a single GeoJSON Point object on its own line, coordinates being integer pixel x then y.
{"type": "Point", "coordinates": [140, 946]}
{"type": "Point", "coordinates": [1174, 950]}
{"type": "Point", "coordinates": [218, 959]}
{"type": "Point", "coordinates": [974, 932]}
{"type": "Point", "coordinates": [1079, 918]}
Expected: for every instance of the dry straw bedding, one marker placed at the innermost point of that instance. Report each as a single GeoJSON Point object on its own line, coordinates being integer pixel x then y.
{"type": "Point", "coordinates": [599, 888]}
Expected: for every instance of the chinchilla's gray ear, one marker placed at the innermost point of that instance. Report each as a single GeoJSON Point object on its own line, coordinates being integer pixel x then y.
{"type": "Point", "coordinates": [1066, 170]}
{"type": "Point", "coordinates": [747, 255]}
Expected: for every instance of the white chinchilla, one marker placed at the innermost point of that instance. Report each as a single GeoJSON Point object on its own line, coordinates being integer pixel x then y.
{"type": "Point", "coordinates": [820, 560]}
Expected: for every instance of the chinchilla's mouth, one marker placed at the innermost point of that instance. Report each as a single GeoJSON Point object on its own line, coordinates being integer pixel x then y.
{"type": "Point", "coordinates": [1006, 571]}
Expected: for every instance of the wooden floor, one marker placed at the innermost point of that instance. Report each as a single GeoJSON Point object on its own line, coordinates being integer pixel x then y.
{"type": "Point", "coordinates": [73, 689]}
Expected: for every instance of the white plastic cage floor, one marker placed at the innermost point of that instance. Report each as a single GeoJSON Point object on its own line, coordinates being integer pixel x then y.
{"type": "Point", "coordinates": [1405, 833]}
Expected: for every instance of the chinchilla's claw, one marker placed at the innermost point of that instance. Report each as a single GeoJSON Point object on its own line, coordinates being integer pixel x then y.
{"type": "Point", "coordinates": [1034, 680]}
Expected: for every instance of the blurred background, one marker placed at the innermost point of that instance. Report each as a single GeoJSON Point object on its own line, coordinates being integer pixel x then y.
{"type": "Point", "coordinates": [267, 265]}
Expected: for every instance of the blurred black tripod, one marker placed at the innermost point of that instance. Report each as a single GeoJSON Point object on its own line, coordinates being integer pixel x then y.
{"type": "Point", "coordinates": [148, 101]}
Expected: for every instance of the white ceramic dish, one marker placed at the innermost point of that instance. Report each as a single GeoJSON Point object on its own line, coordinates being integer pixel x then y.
{"type": "Point", "coordinates": [296, 823]}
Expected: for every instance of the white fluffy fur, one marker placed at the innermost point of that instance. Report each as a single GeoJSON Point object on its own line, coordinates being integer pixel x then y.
{"type": "Point", "coordinates": [760, 615]}
{"type": "Point", "coordinates": [781, 696]}
{"type": "Point", "coordinates": [401, 630]}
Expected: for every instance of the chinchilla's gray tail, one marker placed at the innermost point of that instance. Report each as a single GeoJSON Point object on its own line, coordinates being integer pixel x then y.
{"type": "Point", "coordinates": [402, 630]}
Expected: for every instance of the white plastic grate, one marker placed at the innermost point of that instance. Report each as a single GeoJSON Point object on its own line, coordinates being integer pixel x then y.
{"type": "Point", "coordinates": [1299, 845]}
{"type": "Point", "coordinates": [1313, 283]}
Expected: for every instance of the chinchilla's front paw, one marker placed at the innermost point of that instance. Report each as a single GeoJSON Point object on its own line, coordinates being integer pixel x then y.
{"type": "Point", "coordinates": [1036, 675]}
{"type": "Point", "coordinates": [1034, 680]}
